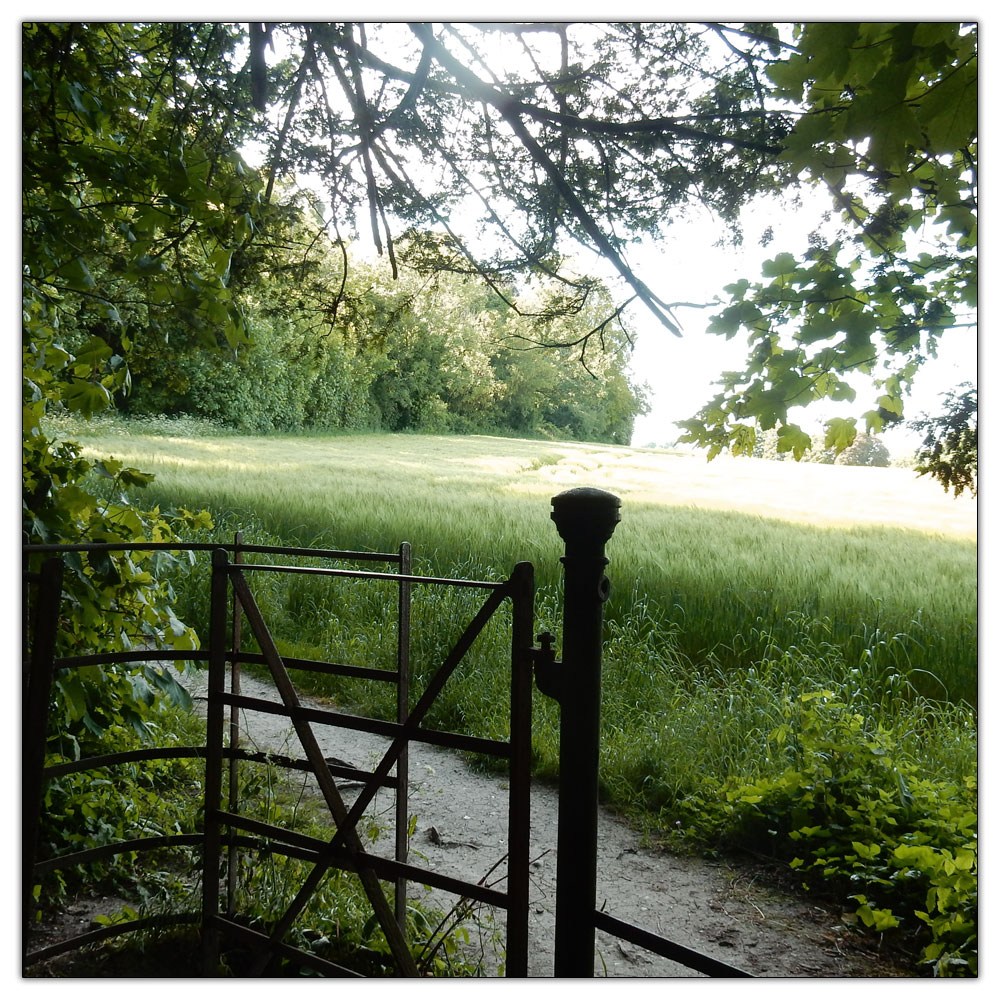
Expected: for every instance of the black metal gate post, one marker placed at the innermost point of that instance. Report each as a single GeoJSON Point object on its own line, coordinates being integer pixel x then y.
{"type": "Point", "coordinates": [402, 714]}
{"type": "Point", "coordinates": [214, 755]}
{"type": "Point", "coordinates": [519, 814]}
{"type": "Point", "coordinates": [586, 519]}
{"type": "Point", "coordinates": [40, 635]}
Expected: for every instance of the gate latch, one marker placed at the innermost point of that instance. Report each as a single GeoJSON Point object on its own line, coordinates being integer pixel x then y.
{"type": "Point", "coordinates": [548, 676]}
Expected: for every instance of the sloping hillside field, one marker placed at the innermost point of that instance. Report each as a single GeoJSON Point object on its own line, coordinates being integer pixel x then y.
{"type": "Point", "coordinates": [880, 556]}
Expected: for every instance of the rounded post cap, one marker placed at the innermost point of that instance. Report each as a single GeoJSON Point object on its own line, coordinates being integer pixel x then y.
{"type": "Point", "coordinates": [586, 514]}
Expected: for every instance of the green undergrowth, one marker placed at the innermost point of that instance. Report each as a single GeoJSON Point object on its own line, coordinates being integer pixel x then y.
{"type": "Point", "coordinates": [120, 802]}
{"type": "Point", "coordinates": [156, 798]}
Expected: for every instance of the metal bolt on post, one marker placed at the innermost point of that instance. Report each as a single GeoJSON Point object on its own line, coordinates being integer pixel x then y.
{"type": "Point", "coordinates": [586, 519]}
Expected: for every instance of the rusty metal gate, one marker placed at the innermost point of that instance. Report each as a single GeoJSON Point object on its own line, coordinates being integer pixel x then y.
{"type": "Point", "coordinates": [227, 832]}
{"type": "Point", "coordinates": [345, 849]}
{"type": "Point", "coordinates": [586, 519]}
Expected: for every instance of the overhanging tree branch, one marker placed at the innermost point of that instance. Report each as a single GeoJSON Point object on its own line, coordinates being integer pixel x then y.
{"type": "Point", "coordinates": [502, 104]}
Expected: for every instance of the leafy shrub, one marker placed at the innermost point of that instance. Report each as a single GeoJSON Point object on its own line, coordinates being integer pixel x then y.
{"type": "Point", "coordinates": [87, 809]}
{"type": "Point", "coordinates": [857, 813]}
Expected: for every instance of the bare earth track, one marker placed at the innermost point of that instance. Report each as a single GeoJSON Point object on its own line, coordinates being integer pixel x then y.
{"type": "Point", "coordinates": [723, 909]}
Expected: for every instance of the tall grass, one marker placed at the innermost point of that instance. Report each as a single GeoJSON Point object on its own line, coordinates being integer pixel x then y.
{"type": "Point", "coordinates": [726, 585]}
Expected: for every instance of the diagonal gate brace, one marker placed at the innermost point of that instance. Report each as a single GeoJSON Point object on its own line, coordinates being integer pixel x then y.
{"type": "Point", "coordinates": [409, 729]}
{"type": "Point", "coordinates": [346, 831]}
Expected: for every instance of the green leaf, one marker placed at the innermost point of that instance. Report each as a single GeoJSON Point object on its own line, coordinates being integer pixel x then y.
{"type": "Point", "coordinates": [133, 477]}
{"type": "Point", "coordinates": [220, 261]}
{"type": "Point", "coordinates": [949, 112]}
{"type": "Point", "coordinates": [93, 353]}
{"type": "Point", "coordinates": [107, 468]}
{"type": "Point", "coordinates": [866, 851]}
{"type": "Point", "coordinates": [792, 438]}
{"type": "Point", "coordinates": [781, 266]}
{"type": "Point", "coordinates": [76, 274]}
{"type": "Point", "coordinates": [87, 398]}
{"type": "Point", "coordinates": [894, 404]}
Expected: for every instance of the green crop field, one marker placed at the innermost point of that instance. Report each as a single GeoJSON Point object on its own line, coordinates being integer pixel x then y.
{"type": "Point", "coordinates": [724, 550]}
{"type": "Point", "coordinates": [738, 580]}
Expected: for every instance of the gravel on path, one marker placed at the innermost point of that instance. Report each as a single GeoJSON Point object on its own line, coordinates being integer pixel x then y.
{"type": "Point", "coordinates": [726, 910]}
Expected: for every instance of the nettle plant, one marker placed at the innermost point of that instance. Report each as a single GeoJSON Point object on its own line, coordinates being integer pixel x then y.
{"type": "Point", "coordinates": [857, 813]}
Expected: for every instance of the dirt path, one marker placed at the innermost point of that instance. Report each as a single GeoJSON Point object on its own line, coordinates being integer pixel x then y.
{"type": "Point", "coordinates": [720, 909]}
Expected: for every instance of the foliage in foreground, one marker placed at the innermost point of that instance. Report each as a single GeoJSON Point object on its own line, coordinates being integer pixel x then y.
{"type": "Point", "coordinates": [154, 798]}
{"type": "Point", "coordinates": [864, 819]}
{"type": "Point", "coordinates": [120, 802]}
{"type": "Point", "coordinates": [900, 269]}
{"type": "Point", "coordinates": [827, 761]}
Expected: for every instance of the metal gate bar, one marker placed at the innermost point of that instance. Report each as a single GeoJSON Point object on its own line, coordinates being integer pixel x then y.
{"type": "Point", "coordinates": [307, 848]}
{"type": "Point", "coordinates": [215, 754]}
{"type": "Point", "coordinates": [402, 844]}
{"type": "Point", "coordinates": [221, 571]}
{"type": "Point", "coordinates": [410, 728]}
{"type": "Point", "coordinates": [232, 850]}
{"type": "Point", "coordinates": [668, 949]}
{"type": "Point", "coordinates": [522, 589]}
{"type": "Point", "coordinates": [392, 730]}
{"type": "Point", "coordinates": [401, 677]}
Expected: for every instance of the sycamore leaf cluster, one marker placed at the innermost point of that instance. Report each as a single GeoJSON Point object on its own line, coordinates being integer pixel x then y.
{"type": "Point", "coordinates": [887, 124]}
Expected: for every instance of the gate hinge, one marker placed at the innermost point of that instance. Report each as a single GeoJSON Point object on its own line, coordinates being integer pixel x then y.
{"type": "Point", "coordinates": [548, 676]}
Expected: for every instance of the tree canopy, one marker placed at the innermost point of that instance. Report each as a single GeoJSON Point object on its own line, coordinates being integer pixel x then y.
{"type": "Point", "coordinates": [886, 119]}
{"type": "Point", "coordinates": [505, 150]}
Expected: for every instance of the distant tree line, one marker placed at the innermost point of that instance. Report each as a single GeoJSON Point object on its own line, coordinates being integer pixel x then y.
{"type": "Point", "coordinates": [866, 450]}
{"type": "Point", "coordinates": [431, 354]}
